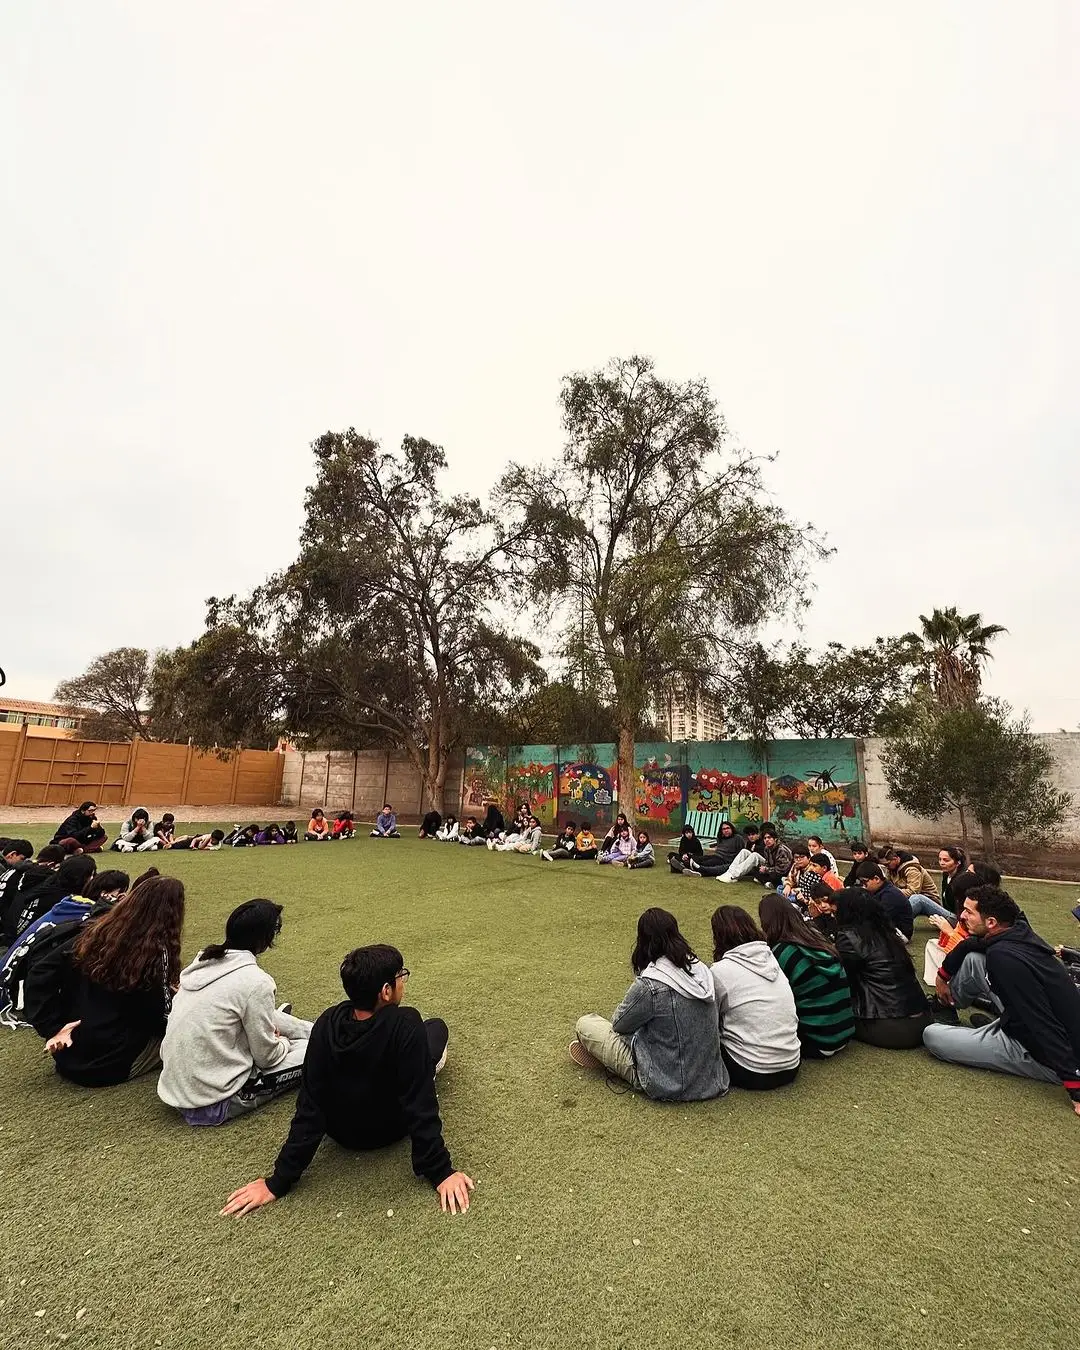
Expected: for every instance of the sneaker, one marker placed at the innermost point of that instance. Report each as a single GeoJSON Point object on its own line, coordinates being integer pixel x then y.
{"type": "Point", "coordinates": [582, 1058]}
{"type": "Point", "coordinates": [729, 880]}
{"type": "Point", "coordinates": [490, 844]}
{"type": "Point", "coordinates": [944, 1012]}
{"type": "Point", "coordinates": [978, 1019]}
{"type": "Point", "coordinates": [442, 1058]}
{"type": "Point", "coordinates": [546, 855]}
{"type": "Point", "coordinates": [285, 1008]}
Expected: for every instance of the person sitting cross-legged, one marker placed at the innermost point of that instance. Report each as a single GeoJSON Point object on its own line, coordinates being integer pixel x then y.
{"type": "Point", "coordinates": [585, 846]}
{"type": "Point", "coordinates": [1037, 1034]}
{"type": "Point", "coordinates": [564, 847]}
{"type": "Point", "coordinates": [227, 1049]}
{"type": "Point", "coordinates": [344, 826]}
{"type": "Point", "coordinates": [447, 833]}
{"type": "Point", "coordinates": [664, 1037]}
{"type": "Point", "coordinates": [386, 824]}
{"type": "Point", "coordinates": [137, 834]}
{"type": "Point", "coordinates": [622, 848]}
{"type": "Point", "coordinates": [318, 830]}
{"type": "Point", "coordinates": [368, 1081]}
{"type": "Point", "coordinates": [82, 830]}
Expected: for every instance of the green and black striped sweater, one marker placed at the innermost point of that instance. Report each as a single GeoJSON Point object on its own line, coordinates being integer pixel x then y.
{"type": "Point", "coordinates": [822, 996]}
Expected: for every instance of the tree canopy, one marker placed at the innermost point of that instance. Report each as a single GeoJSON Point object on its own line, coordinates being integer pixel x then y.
{"type": "Point", "coordinates": [389, 627]}
{"type": "Point", "coordinates": [980, 761]}
{"type": "Point", "coordinates": [112, 695]}
{"type": "Point", "coordinates": [651, 537]}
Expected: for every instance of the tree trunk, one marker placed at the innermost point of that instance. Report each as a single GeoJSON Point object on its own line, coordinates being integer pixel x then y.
{"type": "Point", "coordinates": [987, 840]}
{"type": "Point", "coordinates": [627, 773]}
{"type": "Point", "coordinates": [963, 829]}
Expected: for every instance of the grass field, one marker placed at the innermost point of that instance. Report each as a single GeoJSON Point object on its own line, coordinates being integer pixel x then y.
{"type": "Point", "coordinates": [883, 1200]}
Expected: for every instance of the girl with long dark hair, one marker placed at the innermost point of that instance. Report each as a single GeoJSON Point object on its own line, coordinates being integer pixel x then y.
{"type": "Point", "coordinates": [228, 1050]}
{"type": "Point", "coordinates": [953, 862]}
{"type": "Point", "coordinates": [759, 1027]}
{"type": "Point", "coordinates": [816, 975]}
{"type": "Point", "coordinates": [890, 1007]}
{"type": "Point", "coordinates": [663, 1038]}
{"type": "Point", "coordinates": [101, 1002]}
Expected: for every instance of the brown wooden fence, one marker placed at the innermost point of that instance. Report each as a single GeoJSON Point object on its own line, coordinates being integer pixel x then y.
{"type": "Point", "coordinates": [48, 771]}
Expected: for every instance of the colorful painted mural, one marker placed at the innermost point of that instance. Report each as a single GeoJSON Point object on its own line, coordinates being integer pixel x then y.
{"type": "Point", "coordinates": [815, 789]}
{"type": "Point", "coordinates": [485, 778]}
{"type": "Point", "coordinates": [530, 777]}
{"type": "Point", "coordinates": [660, 789]}
{"type": "Point", "coordinates": [724, 777]}
{"type": "Point", "coordinates": [807, 787]}
{"type": "Point", "coordinates": [588, 776]}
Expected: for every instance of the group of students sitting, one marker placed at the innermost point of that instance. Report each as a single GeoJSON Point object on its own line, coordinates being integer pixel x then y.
{"type": "Point", "coordinates": [828, 960]}
{"type": "Point", "coordinates": [94, 968]}
{"type": "Point", "coordinates": [97, 975]}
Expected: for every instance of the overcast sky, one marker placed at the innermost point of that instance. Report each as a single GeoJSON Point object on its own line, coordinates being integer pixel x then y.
{"type": "Point", "coordinates": [229, 227]}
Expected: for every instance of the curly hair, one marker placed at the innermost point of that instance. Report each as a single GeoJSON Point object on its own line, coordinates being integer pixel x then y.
{"type": "Point", "coordinates": [136, 944]}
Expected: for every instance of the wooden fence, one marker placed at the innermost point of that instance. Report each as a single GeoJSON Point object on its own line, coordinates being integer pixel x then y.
{"type": "Point", "coordinates": [47, 771]}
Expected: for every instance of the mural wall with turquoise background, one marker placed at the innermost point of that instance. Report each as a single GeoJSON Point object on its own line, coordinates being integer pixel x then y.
{"type": "Point", "coordinates": [807, 787]}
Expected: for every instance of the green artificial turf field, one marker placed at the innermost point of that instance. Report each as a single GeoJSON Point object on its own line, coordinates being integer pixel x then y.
{"type": "Point", "coordinates": [883, 1200]}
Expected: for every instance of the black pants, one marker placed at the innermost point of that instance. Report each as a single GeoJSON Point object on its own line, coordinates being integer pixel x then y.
{"type": "Point", "coordinates": [892, 1033]}
{"type": "Point", "coordinates": [585, 855]}
{"type": "Point", "coordinates": [757, 1082]}
{"type": "Point", "coordinates": [438, 1034]}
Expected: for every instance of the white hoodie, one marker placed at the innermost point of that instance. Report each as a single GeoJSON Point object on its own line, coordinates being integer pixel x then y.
{"type": "Point", "coordinates": [220, 1030]}
{"type": "Point", "coordinates": [759, 1027]}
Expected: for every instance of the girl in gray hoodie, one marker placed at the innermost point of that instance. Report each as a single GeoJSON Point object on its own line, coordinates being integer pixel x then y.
{"type": "Point", "coordinates": [663, 1038]}
{"type": "Point", "coordinates": [759, 1025]}
{"type": "Point", "coordinates": [227, 1049]}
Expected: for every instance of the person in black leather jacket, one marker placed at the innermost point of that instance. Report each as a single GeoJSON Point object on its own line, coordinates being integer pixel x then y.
{"type": "Point", "coordinates": [890, 1007]}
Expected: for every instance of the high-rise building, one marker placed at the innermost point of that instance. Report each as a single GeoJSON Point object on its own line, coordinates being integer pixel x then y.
{"type": "Point", "coordinates": [686, 714]}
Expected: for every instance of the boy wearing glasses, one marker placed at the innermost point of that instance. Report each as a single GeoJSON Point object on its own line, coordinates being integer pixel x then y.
{"type": "Point", "coordinates": [368, 1080]}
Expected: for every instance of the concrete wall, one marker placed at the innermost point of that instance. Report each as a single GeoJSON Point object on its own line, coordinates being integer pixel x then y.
{"type": "Point", "coordinates": [361, 781]}
{"type": "Point", "coordinates": [890, 824]}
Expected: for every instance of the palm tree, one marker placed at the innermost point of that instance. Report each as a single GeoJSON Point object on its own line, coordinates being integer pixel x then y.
{"type": "Point", "coordinates": [954, 648]}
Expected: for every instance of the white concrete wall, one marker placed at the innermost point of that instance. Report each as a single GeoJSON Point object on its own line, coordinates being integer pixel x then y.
{"type": "Point", "coordinates": [889, 823]}
{"type": "Point", "coordinates": [339, 780]}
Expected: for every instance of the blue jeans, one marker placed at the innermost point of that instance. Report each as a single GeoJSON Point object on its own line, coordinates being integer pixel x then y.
{"type": "Point", "coordinates": [922, 904]}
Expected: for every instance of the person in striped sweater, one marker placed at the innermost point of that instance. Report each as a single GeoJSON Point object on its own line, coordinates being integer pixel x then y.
{"type": "Point", "coordinates": [816, 976]}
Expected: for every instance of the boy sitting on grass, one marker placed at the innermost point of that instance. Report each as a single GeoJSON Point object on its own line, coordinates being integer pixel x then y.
{"type": "Point", "coordinates": [368, 1080]}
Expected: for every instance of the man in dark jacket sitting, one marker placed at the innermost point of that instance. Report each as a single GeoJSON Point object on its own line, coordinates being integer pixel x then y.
{"type": "Point", "coordinates": [1038, 1032]}
{"type": "Point", "coordinates": [729, 844]}
{"type": "Point", "coordinates": [81, 830]}
{"type": "Point", "coordinates": [891, 898]}
{"type": "Point", "coordinates": [368, 1080]}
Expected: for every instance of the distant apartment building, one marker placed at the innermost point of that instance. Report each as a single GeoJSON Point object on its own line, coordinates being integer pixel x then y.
{"type": "Point", "coordinates": [25, 711]}
{"type": "Point", "coordinates": [688, 715]}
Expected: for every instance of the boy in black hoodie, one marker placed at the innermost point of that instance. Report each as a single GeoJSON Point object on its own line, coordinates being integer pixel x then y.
{"type": "Point", "coordinates": [1038, 1033]}
{"type": "Point", "coordinates": [369, 1080]}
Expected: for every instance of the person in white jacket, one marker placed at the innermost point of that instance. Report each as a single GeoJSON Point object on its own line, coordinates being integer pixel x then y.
{"type": "Point", "coordinates": [227, 1049]}
{"type": "Point", "coordinates": [528, 841]}
{"type": "Point", "coordinates": [448, 830]}
{"type": "Point", "coordinates": [759, 1024]}
{"type": "Point", "coordinates": [137, 834]}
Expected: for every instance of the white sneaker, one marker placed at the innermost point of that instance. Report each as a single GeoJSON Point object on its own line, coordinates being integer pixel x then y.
{"type": "Point", "coordinates": [442, 1058]}
{"type": "Point", "coordinates": [545, 855]}
{"type": "Point", "coordinates": [728, 879]}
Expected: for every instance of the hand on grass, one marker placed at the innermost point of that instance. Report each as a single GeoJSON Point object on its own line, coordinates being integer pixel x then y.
{"type": "Point", "coordinates": [454, 1192]}
{"type": "Point", "coordinates": [248, 1199]}
{"type": "Point", "coordinates": [62, 1039]}
{"type": "Point", "coordinates": [941, 988]}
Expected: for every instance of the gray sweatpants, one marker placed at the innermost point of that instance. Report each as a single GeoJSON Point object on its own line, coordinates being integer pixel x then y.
{"type": "Point", "coordinates": [984, 1047]}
